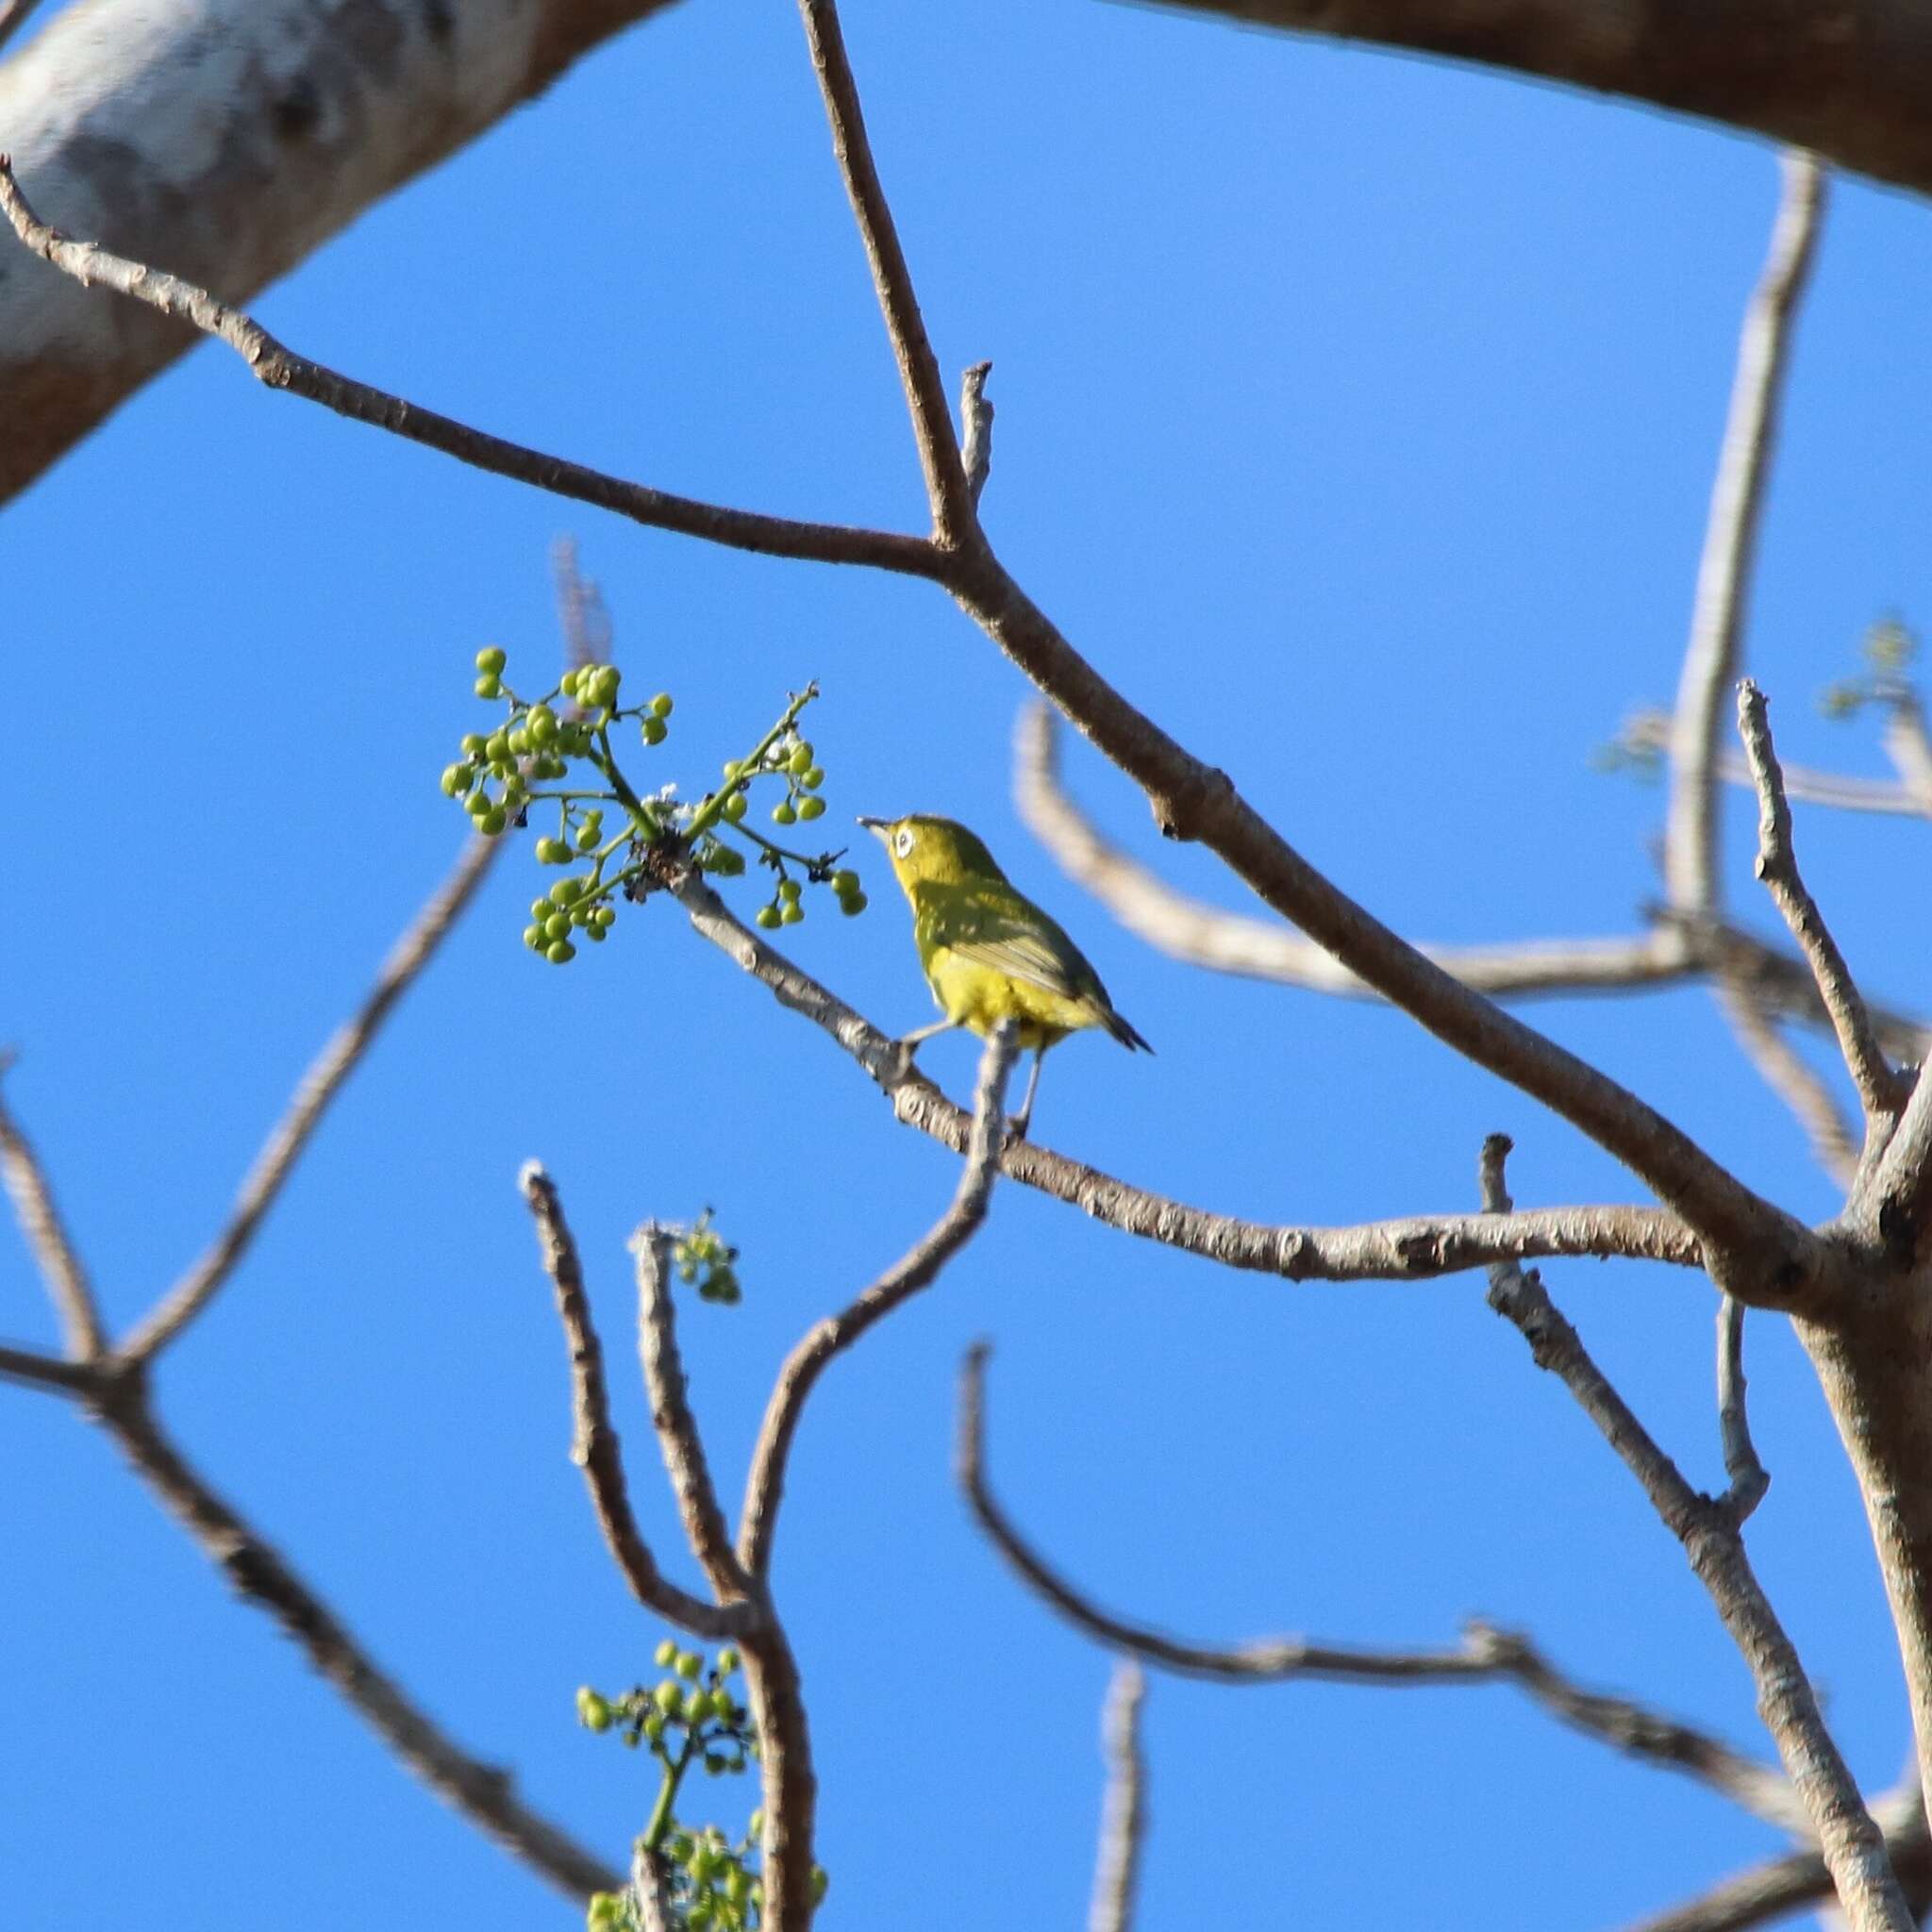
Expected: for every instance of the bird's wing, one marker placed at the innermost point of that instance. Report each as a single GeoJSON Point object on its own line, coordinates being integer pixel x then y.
{"type": "Point", "coordinates": [1025, 944]}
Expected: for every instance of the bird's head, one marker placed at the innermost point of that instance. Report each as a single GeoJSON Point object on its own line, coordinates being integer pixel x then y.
{"type": "Point", "coordinates": [939, 850]}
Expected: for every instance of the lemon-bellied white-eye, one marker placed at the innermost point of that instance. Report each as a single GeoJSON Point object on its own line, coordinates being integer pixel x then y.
{"type": "Point", "coordinates": [988, 952]}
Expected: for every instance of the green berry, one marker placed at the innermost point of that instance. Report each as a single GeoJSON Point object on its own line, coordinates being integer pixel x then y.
{"type": "Point", "coordinates": [552, 852]}
{"type": "Point", "coordinates": [593, 1712]}
{"type": "Point", "coordinates": [491, 660]}
{"type": "Point", "coordinates": [556, 927]}
{"type": "Point", "coordinates": [653, 1726]}
{"type": "Point", "coordinates": [688, 1665]}
{"type": "Point", "coordinates": [606, 917]}
{"type": "Point", "coordinates": [517, 742]}
{"type": "Point", "coordinates": [652, 730]}
{"type": "Point", "coordinates": [728, 1659]}
{"type": "Point", "coordinates": [456, 779]}
{"type": "Point", "coordinates": [497, 747]}
{"type": "Point", "coordinates": [733, 808]}
{"type": "Point", "coordinates": [541, 724]}
{"type": "Point", "coordinates": [566, 891]}
{"type": "Point", "coordinates": [783, 814]}
{"type": "Point", "coordinates": [731, 768]}
{"type": "Point", "coordinates": [793, 913]}
{"type": "Point", "coordinates": [487, 687]}
{"type": "Point", "coordinates": [539, 910]}
{"type": "Point", "coordinates": [472, 743]}
{"type": "Point", "coordinates": [587, 838]}
{"type": "Point", "coordinates": [559, 952]}
{"type": "Point", "coordinates": [845, 883]}
{"type": "Point", "coordinates": [660, 704]}
{"type": "Point", "coordinates": [769, 918]}
{"type": "Point", "coordinates": [479, 802]}
{"type": "Point", "coordinates": [800, 760]}
{"type": "Point", "coordinates": [813, 777]}
{"type": "Point", "coordinates": [492, 822]}
{"type": "Point", "coordinates": [669, 1698]}
{"type": "Point", "coordinates": [811, 807]}
{"type": "Point", "coordinates": [665, 1655]}
{"type": "Point", "coordinates": [536, 937]}
{"type": "Point", "coordinates": [789, 889]}
{"type": "Point", "coordinates": [853, 904]}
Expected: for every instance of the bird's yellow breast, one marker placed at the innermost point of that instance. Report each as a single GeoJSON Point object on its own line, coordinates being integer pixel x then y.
{"type": "Point", "coordinates": [979, 997]}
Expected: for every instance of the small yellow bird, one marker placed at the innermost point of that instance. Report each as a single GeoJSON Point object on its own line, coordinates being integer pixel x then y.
{"type": "Point", "coordinates": [988, 952]}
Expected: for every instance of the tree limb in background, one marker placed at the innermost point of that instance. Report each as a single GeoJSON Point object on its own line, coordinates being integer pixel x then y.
{"type": "Point", "coordinates": [1848, 80]}
{"type": "Point", "coordinates": [1486, 1655]}
{"type": "Point", "coordinates": [1851, 1844]}
{"type": "Point", "coordinates": [230, 138]}
{"type": "Point", "coordinates": [1123, 1809]}
{"type": "Point", "coordinates": [47, 1238]}
{"type": "Point", "coordinates": [1417, 1248]}
{"type": "Point", "coordinates": [1749, 1477]}
{"type": "Point", "coordinates": [1730, 543]}
{"type": "Point", "coordinates": [1787, 1073]}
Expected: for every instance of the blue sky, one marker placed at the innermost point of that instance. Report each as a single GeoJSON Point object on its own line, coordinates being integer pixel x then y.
{"type": "Point", "coordinates": [1356, 415]}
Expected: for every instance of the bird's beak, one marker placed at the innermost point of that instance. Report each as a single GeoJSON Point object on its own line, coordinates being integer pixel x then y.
{"type": "Point", "coordinates": [879, 828]}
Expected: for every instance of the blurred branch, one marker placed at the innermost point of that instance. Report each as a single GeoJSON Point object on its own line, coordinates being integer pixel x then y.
{"type": "Point", "coordinates": [47, 1234]}
{"type": "Point", "coordinates": [482, 1793]}
{"type": "Point", "coordinates": [1730, 540]}
{"type": "Point", "coordinates": [326, 1077]}
{"type": "Point", "coordinates": [1879, 1089]}
{"type": "Point", "coordinates": [277, 368]}
{"type": "Point", "coordinates": [1123, 1809]}
{"type": "Point", "coordinates": [1749, 1477]}
{"type": "Point", "coordinates": [1852, 1845]}
{"type": "Point", "coordinates": [595, 1446]}
{"type": "Point", "coordinates": [37, 1371]}
{"type": "Point", "coordinates": [1787, 1074]}
{"type": "Point", "coordinates": [13, 15]}
{"type": "Point", "coordinates": [1486, 1655]}
{"type": "Point", "coordinates": [1415, 1248]}
{"type": "Point", "coordinates": [975, 412]}
{"type": "Point", "coordinates": [916, 1270]}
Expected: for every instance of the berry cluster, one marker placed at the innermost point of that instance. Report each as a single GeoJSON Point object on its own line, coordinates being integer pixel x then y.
{"type": "Point", "coordinates": [691, 1716]}
{"type": "Point", "coordinates": [706, 1261]}
{"type": "Point", "coordinates": [502, 775]}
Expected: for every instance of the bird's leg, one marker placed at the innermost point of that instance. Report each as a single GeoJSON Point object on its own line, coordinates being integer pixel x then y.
{"type": "Point", "coordinates": [906, 1045]}
{"type": "Point", "coordinates": [1018, 1122]}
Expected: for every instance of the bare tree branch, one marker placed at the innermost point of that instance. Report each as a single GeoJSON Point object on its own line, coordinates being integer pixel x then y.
{"type": "Point", "coordinates": [975, 412]}
{"type": "Point", "coordinates": [1123, 1809]}
{"type": "Point", "coordinates": [917, 1268]}
{"type": "Point", "coordinates": [1416, 1248]}
{"type": "Point", "coordinates": [594, 1444]}
{"type": "Point", "coordinates": [482, 1793]}
{"type": "Point", "coordinates": [1486, 1655]}
{"type": "Point", "coordinates": [1909, 747]}
{"type": "Point", "coordinates": [1853, 1846]}
{"type": "Point", "coordinates": [678, 1429]}
{"type": "Point", "coordinates": [1749, 1476]}
{"type": "Point", "coordinates": [37, 1371]}
{"type": "Point", "coordinates": [13, 15]}
{"type": "Point", "coordinates": [948, 493]}
{"type": "Point", "coordinates": [279, 368]}
{"type": "Point", "coordinates": [1790, 1077]}
{"type": "Point", "coordinates": [1730, 541]}
{"type": "Point", "coordinates": [1879, 1089]}
{"type": "Point", "coordinates": [327, 1076]}
{"type": "Point", "coordinates": [51, 1245]}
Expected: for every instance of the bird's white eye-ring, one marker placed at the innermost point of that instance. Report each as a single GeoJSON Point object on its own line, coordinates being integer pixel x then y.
{"type": "Point", "coordinates": [901, 841]}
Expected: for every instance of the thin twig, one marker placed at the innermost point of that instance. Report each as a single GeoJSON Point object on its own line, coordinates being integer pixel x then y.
{"type": "Point", "coordinates": [13, 15]}
{"type": "Point", "coordinates": [918, 1268]}
{"type": "Point", "coordinates": [1411, 1249]}
{"type": "Point", "coordinates": [52, 1246]}
{"type": "Point", "coordinates": [947, 491]}
{"type": "Point", "coordinates": [1790, 1077]}
{"type": "Point", "coordinates": [1879, 1090]}
{"type": "Point", "coordinates": [279, 368]}
{"type": "Point", "coordinates": [482, 1793]}
{"type": "Point", "coordinates": [678, 1440]}
{"type": "Point", "coordinates": [1486, 1655]}
{"type": "Point", "coordinates": [1723, 574]}
{"type": "Point", "coordinates": [1853, 1847]}
{"type": "Point", "coordinates": [1123, 1809]}
{"type": "Point", "coordinates": [594, 1443]}
{"type": "Point", "coordinates": [327, 1076]}
{"type": "Point", "coordinates": [1749, 1476]}
{"type": "Point", "coordinates": [975, 412]}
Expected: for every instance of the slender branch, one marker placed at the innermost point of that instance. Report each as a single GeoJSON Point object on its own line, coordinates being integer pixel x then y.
{"type": "Point", "coordinates": [1909, 747]}
{"type": "Point", "coordinates": [1124, 1810]}
{"type": "Point", "coordinates": [917, 1268]}
{"type": "Point", "coordinates": [327, 1077]}
{"type": "Point", "coordinates": [677, 1430]}
{"type": "Point", "coordinates": [975, 412]}
{"type": "Point", "coordinates": [47, 1234]}
{"type": "Point", "coordinates": [279, 368]}
{"type": "Point", "coordinates": [947, 489]}
{"type": "Point", "coordinates": [1879, 1090]}
{"type": "Point", "coordinates": [1749, 1476]}
{"type": "Point", "coordinates": [1486, 1655]}
{"type": "Point", "coordinates": [1853, 1847]}
{"type": "Point", "coordinates": [1412, 1249]}
{"type": "Point", "coordinates": [1790, 1077]}
{"type": "Point", "coordinates": [1730, 539]}
{"type": "Point", "coordinates": [481, 1792]}
{"type": "Point", "coordinates": [37, 1371]}
{"type": "Point", "coordinates": [595, 1446]}
{"type": "Point", "coordinates": [13, 15]}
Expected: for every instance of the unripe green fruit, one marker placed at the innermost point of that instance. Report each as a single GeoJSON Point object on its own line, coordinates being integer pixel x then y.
{"type": "Point", "coordinates": [688, 1665]}
{"type": "Point", "coordinates": [472, 743]}
{"type": "Point", "coordinates": [800, 760]}
{"type": "Point", "coordinates": [789, 889]}
{"type": "Point", "coordinates": [665, 1655]}
{"type": "Point", "coordinates": [559, 952]}
{"type": "Point", "coordinates": [660, 704]}
{"type": "Point", "coordinates": [769, 918]}
{"type": "Point", "coordinates": [593, 1712]}
{"type": "Point", "coordinates": [487, 688]}
{"type": "Point", "coordinates": [652, 730]}
{"type": "Point", "coordinates": [541, 724]}
{"type": "Point", "coordinates": [669, 1698]}
{"type": "Point", "coordinates": [491, 659]}
{"type": "Point", "coordinates": [792, 912]}
{"type": "Point", "coordinates": [813, 777]}
{"type": "Point", "coordinates": [811, 807]}
{"type": "Point", "coordinates": [456, 779]}
{"type": "Point", "coordinates": [492, 822]}
{"type": "Point", "coordinates": [497, 747]}
{"type": "Point", "coordinates": [733, 808]}
{"type": "Point", "coordinates": [854, 904]}
{"type": "Point", "coordinates": [556, 927]}
{"type": "Point", "coordinates": [727, 1658]}
{"type": "Point", "coordinates": [783, 814]}
{"type": "Point", "coordinates": [536, 937]}
{"type": "Point", "coordinates": [845, 883]}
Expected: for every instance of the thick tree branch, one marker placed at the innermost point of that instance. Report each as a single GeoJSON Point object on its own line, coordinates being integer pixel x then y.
{"type": "Point", "coordinates": [1416, 1248]}
{"type": "Point", "coordinates": [1847, 79]}
{"type": "Point", "coordinates": [917, 1268]}
{"type": "Point", "coordinates": [279, 368]}
{"type": "Point", "coordinates": [677, 1428]}
{"type": "Point", "coordinates": [1123, 1809]}
{"type": "Point", "coordinates": [1730, 543]}
{"type": "Point", "coordinates": [1853, 1847]}
{"type": "Point", "coordinates": [1879, 1089]}
{"type": "Point", "coordinates": [1486, 1655]}
{"type": "Point", "coordinates": [327, 1077]}
{"type": "Point", "coordinates": [47, 1234]}
{"type": "Point", "coordinates": [482, 1793]}
{"type": "Point", "coordinates": [595, 1446]}
{"type": "Point", "coordinates": [33, 1370]}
